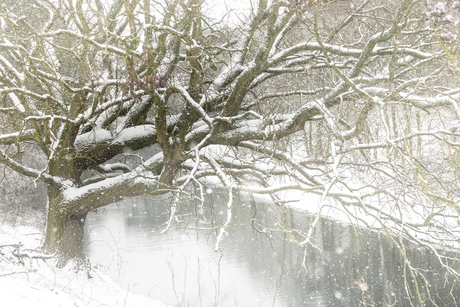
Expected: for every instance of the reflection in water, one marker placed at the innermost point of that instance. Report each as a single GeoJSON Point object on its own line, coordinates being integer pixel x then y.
{"type": "Point", "coordinates": [257, 265]}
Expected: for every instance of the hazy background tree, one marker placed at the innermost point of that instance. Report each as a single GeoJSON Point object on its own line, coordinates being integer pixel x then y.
{"type": "Point", "coordinates": [353, 101]}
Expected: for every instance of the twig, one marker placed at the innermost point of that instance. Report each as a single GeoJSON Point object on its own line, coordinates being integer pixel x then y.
{"type": "Point", "coordinates": [22, 272]}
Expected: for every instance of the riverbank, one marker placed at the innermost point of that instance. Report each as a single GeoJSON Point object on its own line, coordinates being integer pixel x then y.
{"type": "Point", "coordinates": [30, 278]}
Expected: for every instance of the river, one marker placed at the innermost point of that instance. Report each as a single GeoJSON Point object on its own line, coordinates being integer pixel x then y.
{"type": "Point", "coordinates": [257, 263]}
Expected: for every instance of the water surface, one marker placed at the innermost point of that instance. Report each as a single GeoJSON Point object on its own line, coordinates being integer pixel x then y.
{"type": "Point", "coordinates": [257, 263]}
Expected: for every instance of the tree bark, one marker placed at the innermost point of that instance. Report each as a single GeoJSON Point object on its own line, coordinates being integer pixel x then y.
{"type": "Point", "coordinates": [66, 217]}
{"type": "Point", "coordinates": [64, 231]}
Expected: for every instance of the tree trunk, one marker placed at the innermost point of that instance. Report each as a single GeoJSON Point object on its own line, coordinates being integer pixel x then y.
{"type": "Point", "coordinates": [64, 231]}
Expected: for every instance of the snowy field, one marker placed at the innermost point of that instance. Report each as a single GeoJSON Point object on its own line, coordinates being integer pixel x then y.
{"type": "Point", "coordinates": [28, 278]}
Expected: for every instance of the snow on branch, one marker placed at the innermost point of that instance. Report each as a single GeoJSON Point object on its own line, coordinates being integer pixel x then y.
{"type": "Point", "coordinates": [126, 137]}
{"type": "Point", "coordinates": [113, 167]}
{"type": "Point", "coordinates": [30, 172]}
{"type": "Point", "coordinates": [93, 42]}
{"type": "Point", "coordinates": [15, 137]}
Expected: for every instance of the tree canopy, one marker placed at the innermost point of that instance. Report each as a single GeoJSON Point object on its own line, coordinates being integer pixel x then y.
{"type": "Point", "coordinates": [353, 101]}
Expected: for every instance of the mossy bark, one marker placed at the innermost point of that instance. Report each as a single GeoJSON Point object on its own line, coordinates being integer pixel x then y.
{"type": "Point", "coordinates": [64, 230]}
{"type": "Point", "coordinates": [64, 233]}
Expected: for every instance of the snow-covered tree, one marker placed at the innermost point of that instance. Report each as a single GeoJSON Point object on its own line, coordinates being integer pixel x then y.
{"type": "Point", "coordinates": [353, 101]}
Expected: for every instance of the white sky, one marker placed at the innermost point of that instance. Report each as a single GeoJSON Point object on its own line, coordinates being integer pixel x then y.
{"type": "Point", "coordinates": [238, 8]}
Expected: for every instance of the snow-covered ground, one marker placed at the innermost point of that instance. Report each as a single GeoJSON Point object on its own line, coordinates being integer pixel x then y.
{"type": "Point", "coordinates": [28, 278]}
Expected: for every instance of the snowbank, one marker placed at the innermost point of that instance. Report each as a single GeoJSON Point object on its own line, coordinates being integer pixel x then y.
{"type": "Point", "coordinates": [28, 278]}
